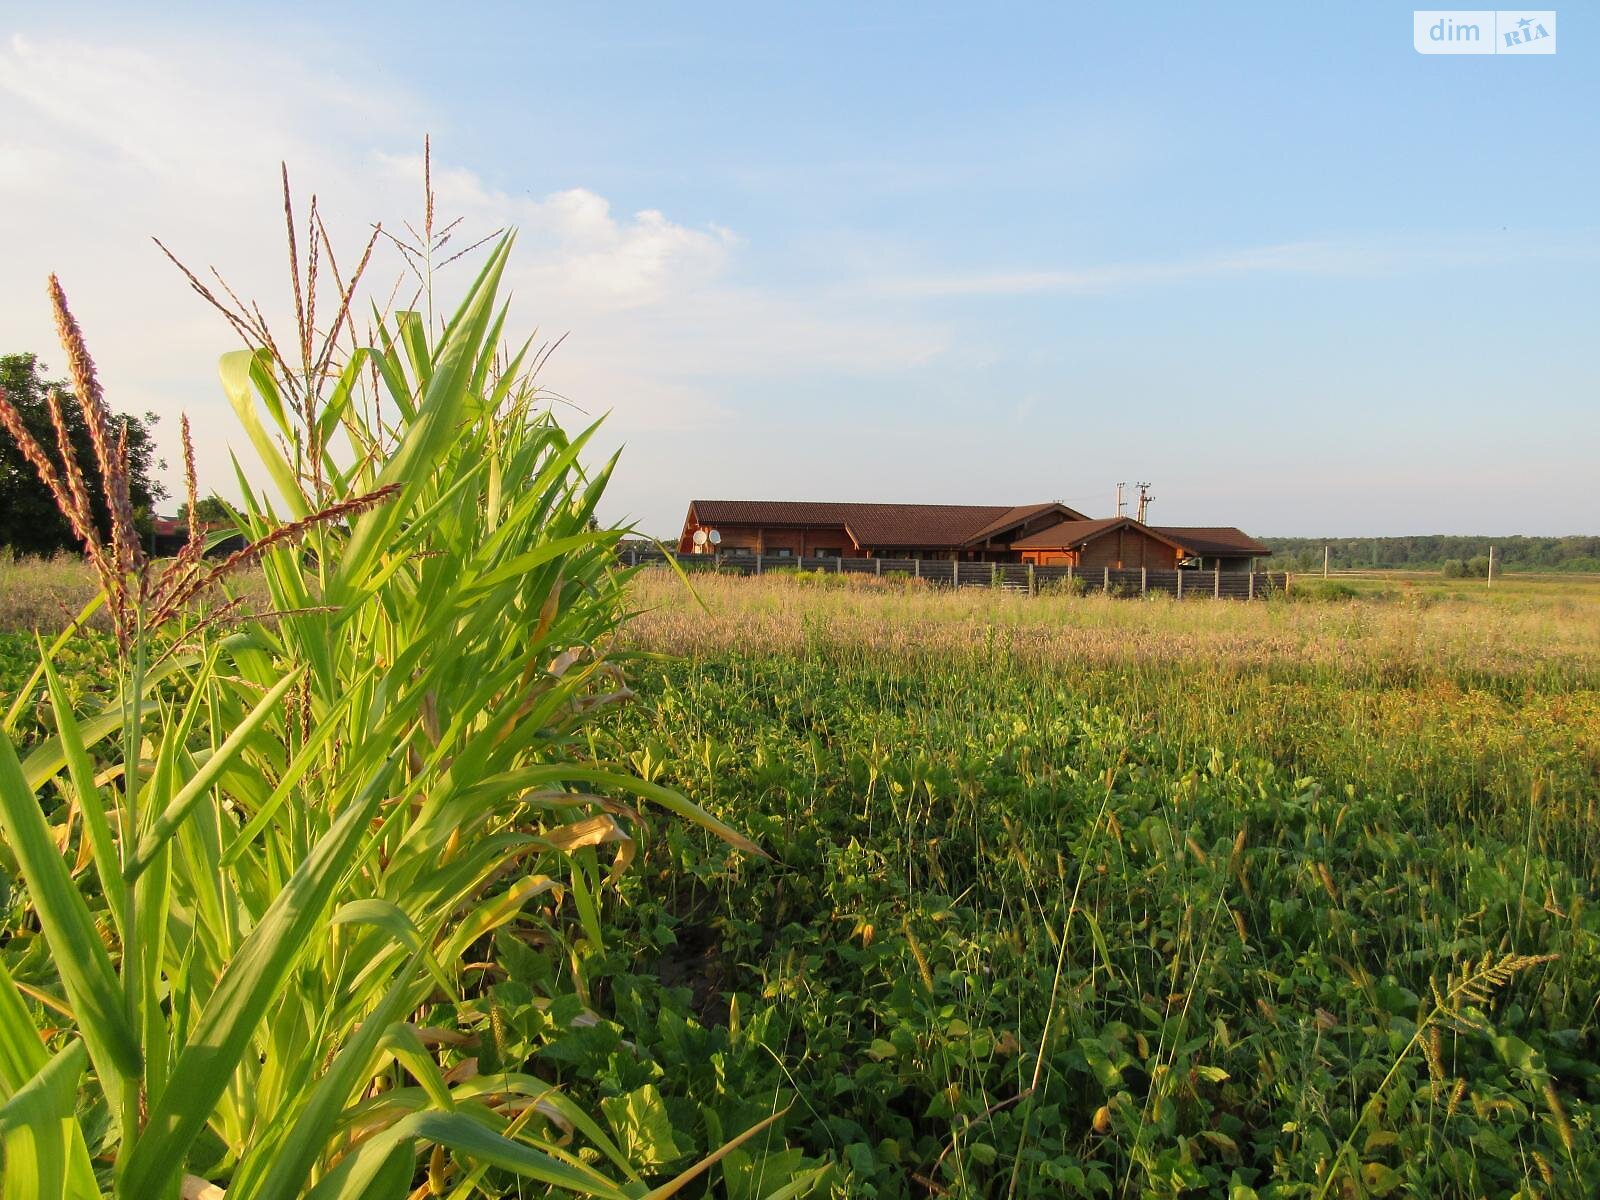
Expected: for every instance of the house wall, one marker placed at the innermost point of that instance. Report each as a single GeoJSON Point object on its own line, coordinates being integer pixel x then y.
{"type": "Point", "coordinates": [805, 543]}
{"type": "Point", "coordinates": [1128, 547]}
{"type": "Point", "coordinates": [1050, 558]}
{"type": "Point", "coordinates": [907, 552]}
{"type": "Point", "coordinates": [800, 543]}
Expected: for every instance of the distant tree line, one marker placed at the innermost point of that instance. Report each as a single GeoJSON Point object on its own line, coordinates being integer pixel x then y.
{"type": "Point", "coordinates": [29, 520]}
{"type": "Point", "coordinates": [1458, 557]}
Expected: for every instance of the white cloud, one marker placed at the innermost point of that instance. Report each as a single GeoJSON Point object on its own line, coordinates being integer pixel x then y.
{"type": "Point", "coordinates": [573, 248]}
{"type": "Point", "coordinates": [103, 145]}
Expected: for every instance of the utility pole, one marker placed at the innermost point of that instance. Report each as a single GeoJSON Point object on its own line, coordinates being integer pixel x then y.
{"type": "Point", "coordinates": [1324, 560]}
{"type": "Point", "coordinates": [1144, 500]}
{"type": "Point", "coordinates": [1120, 504]}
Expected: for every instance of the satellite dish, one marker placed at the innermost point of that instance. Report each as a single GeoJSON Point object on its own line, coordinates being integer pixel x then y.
{"type": "Point", "coordinates": [699, 537]}
{"type": "Point", "coordinates": [716, 538]}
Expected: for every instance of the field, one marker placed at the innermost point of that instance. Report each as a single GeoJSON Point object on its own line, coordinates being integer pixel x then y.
{"type": "Point", "coordinates": [1079, 895]}
{"type": "Point", "coordinates": [1091, 896]}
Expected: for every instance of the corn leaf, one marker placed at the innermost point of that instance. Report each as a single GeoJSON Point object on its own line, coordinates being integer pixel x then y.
{"type": "Point", "coordinates": [80, 956]}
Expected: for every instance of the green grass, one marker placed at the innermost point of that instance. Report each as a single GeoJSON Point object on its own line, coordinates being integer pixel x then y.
{"type": "Point", "coordinates": [1139, 898]}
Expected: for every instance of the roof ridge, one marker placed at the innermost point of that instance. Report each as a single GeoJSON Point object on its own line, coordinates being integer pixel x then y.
{"type": "Point", "coordinates": [874, 503]}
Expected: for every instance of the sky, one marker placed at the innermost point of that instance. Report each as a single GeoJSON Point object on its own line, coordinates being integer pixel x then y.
{"type": "Point", "coordinates": [1298, 276]}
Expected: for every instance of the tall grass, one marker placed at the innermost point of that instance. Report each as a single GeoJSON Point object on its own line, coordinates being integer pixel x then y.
{"type": "Point", "coordinates": [251, 884]}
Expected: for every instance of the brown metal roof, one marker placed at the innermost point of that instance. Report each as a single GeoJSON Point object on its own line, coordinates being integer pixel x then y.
{"type": "Point", "coordinates": [1222, 540]}
{"type": "Point", "coordinates": [1069, 535]}
{"type": "Point", "coordinates": [875, 525]}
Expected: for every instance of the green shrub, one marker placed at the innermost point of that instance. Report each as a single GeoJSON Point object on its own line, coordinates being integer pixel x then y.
{"type": "Point", "coordinates": [1075, 585]}
{"type": "Point", "coordinates": [1320, 591]}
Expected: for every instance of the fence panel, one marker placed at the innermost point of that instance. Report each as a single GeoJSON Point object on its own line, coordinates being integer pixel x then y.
{"type": "Point", "coordinates": [1013, 577]}
{"type": "Point", "coordinates": [1163, 582]}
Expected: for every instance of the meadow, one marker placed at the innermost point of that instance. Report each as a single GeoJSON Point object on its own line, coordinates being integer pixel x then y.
{"type": "Point", "coordinates": [1080, 895]}
{"type": "Point", "coordinates": [1096, 896]}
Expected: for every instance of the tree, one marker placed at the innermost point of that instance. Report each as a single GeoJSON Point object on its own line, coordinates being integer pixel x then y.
{"type": "Point", "coordinates": [208, 510]}
{"type": "Point", "coordinates": [29, 520]}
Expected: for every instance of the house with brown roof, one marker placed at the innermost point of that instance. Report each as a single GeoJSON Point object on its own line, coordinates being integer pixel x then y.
{"type": "Point", "coordinates": [1047, 534]}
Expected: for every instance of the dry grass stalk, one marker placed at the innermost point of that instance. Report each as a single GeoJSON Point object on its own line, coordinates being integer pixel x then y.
{"type": "Point", "coordinates": [79, 512]}
{"type": "Point", "coordinates": [65, 485]}
{"type": "Point", "coordinates": [346, 292]}
{"type": "Point", "coordinates": [194, 544]}
{"type": "Point", "coordinates": [120, 563]}
{"type": "Point", "coordinates": [111, 457]}
{"type": "Point", "coordinates": [294, 259]}
{"type": "Point", "coordinates": [317, 351]}
{"type": "Point", "coordinates": [418, 254]}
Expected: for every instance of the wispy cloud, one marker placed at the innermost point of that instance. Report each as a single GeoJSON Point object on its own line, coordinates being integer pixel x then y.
{"type": "Point", "coordinates": [1351, 259]}
{"type": "Point", "coordinates": [581, 250]}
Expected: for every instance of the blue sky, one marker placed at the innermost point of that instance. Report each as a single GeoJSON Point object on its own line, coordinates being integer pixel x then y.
{"type": "Point", "coordinates": [1271, 259]}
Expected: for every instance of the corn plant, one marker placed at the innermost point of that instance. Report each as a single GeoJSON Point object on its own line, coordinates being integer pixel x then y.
{"type": "Point", "coordinates": [255, 880]}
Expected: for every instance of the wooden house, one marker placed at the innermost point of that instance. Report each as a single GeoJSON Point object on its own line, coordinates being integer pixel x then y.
{"type": "Point", "coordinates": [1045, 534]}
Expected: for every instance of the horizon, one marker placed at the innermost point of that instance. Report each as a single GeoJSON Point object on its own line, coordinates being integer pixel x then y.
{"type": "Point", "coordinates": [1278, 263]}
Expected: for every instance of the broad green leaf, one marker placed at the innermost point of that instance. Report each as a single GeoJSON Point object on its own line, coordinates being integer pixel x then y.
{"type": "Point", "coordinates": [391, 918]}
{"type": "Point", "coordinates": [39, 1140]}
{"type": "Point", "coordinates": [249, 985]}
{"type": "Point", "coordinates": [472, 1140]}
{"type": "Point", "coordinates": [673, 1186]}
{"type": "Point", "coordinates": [240, 370]}
{"type": "Point", "coordinates": [81, 771]}
{"type": "Point", "coordinates": [285, 1171]}
{"type": "Point", "coordinates": [642, 1127]}
{"type": "Point", "coordinates": [25, 692]}
{"type": "Point", "coordinates": [80, 956]}
{"type": "Point", "coordinates": [665, 797]}
{"type": "Point", "coordinates": [196, 787]}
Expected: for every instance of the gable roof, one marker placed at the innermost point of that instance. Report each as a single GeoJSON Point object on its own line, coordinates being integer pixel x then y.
{"type": "Point", "coordinates": [1022, 514]}
{"type": "Point", "coordinates": [1069, 535]}
{"type": "Point", "coordinates": [921, 525]}
{"type": "Point", "coordinates": [1214, 539]}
